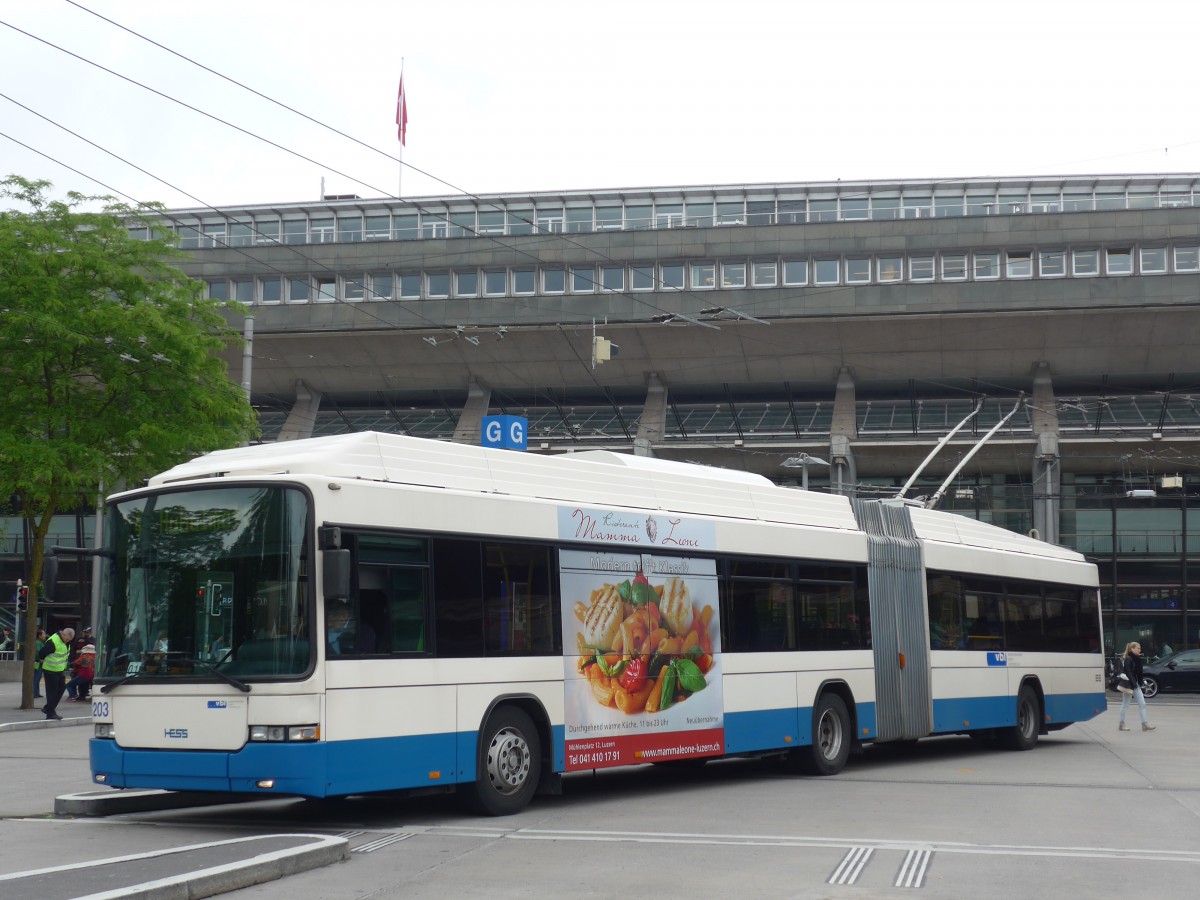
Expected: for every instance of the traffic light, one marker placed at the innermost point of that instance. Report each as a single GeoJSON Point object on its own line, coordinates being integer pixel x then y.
{"type": "Point", "coordinates": [22, 597]}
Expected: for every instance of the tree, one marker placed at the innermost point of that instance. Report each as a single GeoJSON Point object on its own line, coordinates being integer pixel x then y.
{"type": "Point", "coordinates": [110, 366]}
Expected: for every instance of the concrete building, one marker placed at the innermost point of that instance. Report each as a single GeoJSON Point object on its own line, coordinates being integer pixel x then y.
{"type": "Point", "coordinates": [854, 322]}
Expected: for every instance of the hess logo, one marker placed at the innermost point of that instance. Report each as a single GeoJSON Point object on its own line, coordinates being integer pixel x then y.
{"type": "Point", "coordinates": [176, 733]}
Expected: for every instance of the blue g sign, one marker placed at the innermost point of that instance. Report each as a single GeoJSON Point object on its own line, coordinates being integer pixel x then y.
{"type": "Point", "coordinates": [506, 432]}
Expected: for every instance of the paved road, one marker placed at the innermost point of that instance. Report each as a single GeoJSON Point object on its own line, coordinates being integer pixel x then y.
{"type": "Point", "coordinates": [945, 819]}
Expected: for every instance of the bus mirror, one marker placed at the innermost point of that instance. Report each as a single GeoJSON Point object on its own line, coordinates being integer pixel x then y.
{"type": "Point", "coordinates": [336, 578]}
{"type": "Point", "coordinates": [49, 575]}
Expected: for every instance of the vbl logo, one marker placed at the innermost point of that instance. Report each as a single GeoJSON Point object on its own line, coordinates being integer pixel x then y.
{"type": "Point", "coordinates": [175, 732]}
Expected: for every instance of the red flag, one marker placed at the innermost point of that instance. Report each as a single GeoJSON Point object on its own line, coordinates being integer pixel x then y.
{"type": "Point", "coordinates": [401, 113]}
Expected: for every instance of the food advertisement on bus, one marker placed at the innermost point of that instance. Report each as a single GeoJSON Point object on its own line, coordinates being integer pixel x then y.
{"type": "Point", "coordinates": [641, 634]}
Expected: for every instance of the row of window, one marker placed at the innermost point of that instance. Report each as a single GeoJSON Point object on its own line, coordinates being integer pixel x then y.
{"type": "Point", "coordinates": [383, 225]}
{"type": "Point", "coordinates": [710, 274]}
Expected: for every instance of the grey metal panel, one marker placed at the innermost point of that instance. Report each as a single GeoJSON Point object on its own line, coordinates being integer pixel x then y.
{"type": "Point", "coordinates": [899, 622]}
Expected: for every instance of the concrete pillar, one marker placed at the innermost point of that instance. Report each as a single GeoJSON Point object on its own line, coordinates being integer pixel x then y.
{"type": "Point", "coordinates": [1047, 468]}
{"type": "Point", "coordinates": [469, 429]}
{"type": "Point", "coordinates": [653, 425]}
{"type": "Point", "coordinates": [843, 431]}
{"type": "Point", "coordinates": [302, 417]}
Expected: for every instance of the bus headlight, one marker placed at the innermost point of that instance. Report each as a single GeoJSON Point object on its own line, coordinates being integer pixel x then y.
{"type": "Point", "coordinates": [285, 733]}
{"type": "Point", "coordinates": [105, 730]}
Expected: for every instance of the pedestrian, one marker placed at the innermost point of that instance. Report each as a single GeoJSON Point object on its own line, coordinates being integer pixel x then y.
{"type": "Point", "coordinates": [1130, 685]}
{"type": "Point", "coordinates": [80, 687]}
{"type": "Point", "coordinates": [37, 663]}
{"type": "Point", "coordinates": [53, 656]}
{"type": "Point", "coordinates": [6, 639]}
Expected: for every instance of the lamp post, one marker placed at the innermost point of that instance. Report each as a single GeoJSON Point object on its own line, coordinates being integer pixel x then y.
{"type": "Point", "coordinates": [802, 462]}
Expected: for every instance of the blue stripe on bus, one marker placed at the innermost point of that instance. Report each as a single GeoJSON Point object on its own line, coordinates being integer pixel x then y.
{"type": "Point", "coordinates": [969, 713]}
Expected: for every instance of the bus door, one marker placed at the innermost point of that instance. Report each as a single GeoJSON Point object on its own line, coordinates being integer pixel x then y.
{"type": "Point", "coordinates": [899, 623]}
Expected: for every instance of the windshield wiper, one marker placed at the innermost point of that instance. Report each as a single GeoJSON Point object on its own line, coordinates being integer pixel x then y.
{"type": "Point", "coordinates": [228, 679]}
{"type": "Point", "coordinates": [120, 681]}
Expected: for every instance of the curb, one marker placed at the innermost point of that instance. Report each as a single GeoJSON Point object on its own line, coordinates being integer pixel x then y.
{"type": "Point", "coordinates": [118, 801]}
{"type": "Point", "coordinates": [67, 722]}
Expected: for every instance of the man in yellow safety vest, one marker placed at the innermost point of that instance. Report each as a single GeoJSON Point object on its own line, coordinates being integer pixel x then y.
{"type": "Point", "coordinates": [53, 657]}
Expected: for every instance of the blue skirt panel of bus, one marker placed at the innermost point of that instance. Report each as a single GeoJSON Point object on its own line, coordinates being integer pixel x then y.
{"type": "Point", "coordinates": [969, 713]}
{"type": "Point", "coordinates": [776, 729]}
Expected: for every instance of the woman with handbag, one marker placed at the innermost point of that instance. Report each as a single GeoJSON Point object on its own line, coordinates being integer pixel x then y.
{"type": "Point", "coordinates": [1129, 683]}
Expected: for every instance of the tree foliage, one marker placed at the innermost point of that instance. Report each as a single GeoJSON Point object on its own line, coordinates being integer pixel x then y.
{"type": "Point", "coordinates": [110, 366]}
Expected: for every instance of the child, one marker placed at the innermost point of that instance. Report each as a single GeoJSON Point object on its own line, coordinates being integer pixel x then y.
{"type": "Point", "coordinates": [80, 687]}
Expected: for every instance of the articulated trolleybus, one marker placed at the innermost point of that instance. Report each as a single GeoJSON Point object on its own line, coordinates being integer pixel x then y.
{"type": "Point", "coordinates": [371, 612]}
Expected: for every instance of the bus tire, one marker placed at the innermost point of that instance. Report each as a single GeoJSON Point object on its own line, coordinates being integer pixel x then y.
{"type": "Point", "coordinates": [1024, 735]}
{"type": "Point", "coordinates": [830, 746]}
{"type": "Point", "coordinates": [509, 765]}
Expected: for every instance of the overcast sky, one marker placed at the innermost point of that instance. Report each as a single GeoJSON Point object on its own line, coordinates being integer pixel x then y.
{"type": "Point", "coordinates": [525, 95]}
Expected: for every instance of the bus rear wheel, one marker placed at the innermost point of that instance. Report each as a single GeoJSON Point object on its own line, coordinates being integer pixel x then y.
{"type": "Point", "coordinates": [830, 739]}
{"type": "Point", "coordinates": [509, 766]}
{"type": "Point", "coordinates": [1024, 735]}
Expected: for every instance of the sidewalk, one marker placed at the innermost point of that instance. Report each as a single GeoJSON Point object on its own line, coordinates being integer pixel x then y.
{"type": "Point", "coordinates": [14, 719]}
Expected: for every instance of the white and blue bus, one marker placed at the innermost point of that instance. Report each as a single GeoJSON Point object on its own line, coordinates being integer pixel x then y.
{"type": "Point", "coordinates": [371, 612]}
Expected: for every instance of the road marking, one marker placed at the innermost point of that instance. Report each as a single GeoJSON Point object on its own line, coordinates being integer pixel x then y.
{"type": "Point", "coordinates": [912, 870]}
{"type": "Point", "coordinates": [385, 841]}
{"type": "Point", "coordinates": [851, 866]}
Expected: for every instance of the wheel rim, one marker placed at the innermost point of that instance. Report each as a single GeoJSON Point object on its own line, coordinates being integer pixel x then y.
{"type": "Point", "coordinates": [1025, 718]}
{"type": "Point", "coordinates": [509, 761]}
{"type": "Point", "coordinates": [829, 735]}
{"type": "Point", "coordinates": [1149, 687]}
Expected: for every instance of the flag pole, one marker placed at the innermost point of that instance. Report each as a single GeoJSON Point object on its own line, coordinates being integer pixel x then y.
{"type": "Point", "coordinates": [401, 121]}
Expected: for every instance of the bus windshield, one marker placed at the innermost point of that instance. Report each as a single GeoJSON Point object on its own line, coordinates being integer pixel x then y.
{"type": "Point", "coordinates": [209, 583]}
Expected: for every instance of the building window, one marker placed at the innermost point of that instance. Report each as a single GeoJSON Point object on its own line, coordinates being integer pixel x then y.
{"type": "Point", "coordinates": [668, 215]}
{"type": "Point", "coordinates": [524, 280]}
{"type": "Point", "coordinates": [218, 290]}
{"type": "Point", "coordinates": [795, 271]}
{"type": "Point", "coordinates": [550, 220]}
{"type": "Point", "coordinates": [583, 279]}
{"type": "Point", "coordinates": [243, 290]}
{"type": "Point", "coordinates": [350, 228]}
{"type": "Point", "coordinates": [890, 268]}
{"type": "Point", "coordinates": [981, 205]}
{"type": "Point", "coordinates": [885, 208]}
{"type": "Point", "coordinates": [760, 212]}
{"type": "Point", "coordinates": [822, 211]}
{"type": "Point", "coordinates": [699, 214]}
{"type": "Point", "coordinates": [825, 271]}
{"type": "Point", "coordinates": [858, 269]}
{"type": "Point", "coordinates": [554, 281]}
{"type": "Point", "coordinates": [520, 221]}
{"type": "Point", "coordinates": [410, 285]}
{"type": "Point", "coordinates": [987, 266]}
{"type": "Point", "coordinates": [579, 220]}
{"type": "Point", "coordinates": [326, 289]}
{"type": "Point", "coordinates": [466, 283]}
{"type": "Point", "coordinates": [1187, 259]}
{"type": "Point", "coordinates": [954, 266]}
{"type": "Point", "coordinates": [920, 268]}
{"type": "Point", "coordinates": [378, 228]}
{"type": "Point", "coordinates": [733, 275]}
{"type": "Point", "coordinates": [608, 218]}
{"type": "Point", "coordinates": [918, 207]}
{"type": "Point", "coordinates": [1052, 263]}
{"type": "Point", "coordinates": [641, 278]}
{"type": "Point", "coordinates": [704, 276]}
{"type": "Point", "coordinates": [437, 284]}
{"type": "Point", "coordinates": [241, 234]}
{"type": "Point", "coordinates": [730, 213]}
{"type": "Point", "coordinates": [320, 231]}
{"type": "Point", "coordinates": [462, 223]}
{"type": "Point", "coordinates": [639, 216]}
{"type": "Point", "coordinates": [434, 225]}
{"type": "Point", "coordinates": [1152, 260]}
{"type": "Point", "coordinates": [354, 287]}
{"type": "Point", "coordinates": [298, 290]}
{"type": "Point", "coordinates": [856, 209]}
{"type": "Point", "coordinates": [1118, 261]}
{"type": "Point", "coordinates": [1020, 265]}
{"type": "Point", "coordinates": [1077, 202]}
{"type": "Point", "coordinates": [491, 221]}
{"type": "Point", "coordinates": [792, 212]}
{"type": "Point", "coordinates": [381, 287]}
{"type": "Point", "coordinates": [405, 228]}
{"type": "Point", "coordinates": [495, 282]}
{"type": "Point", "coordinates": [671, 276]}
{"type": "Point", "coordinates": [766, 273]}
{"type": "Point", "coordinates": [1085, 262]}
{"type": "Point", "coordinates": [612, 278]}
{"type": "Point", "coordinates": [947, 206]}
{"type": "Point", "coordinates": [295, 231]}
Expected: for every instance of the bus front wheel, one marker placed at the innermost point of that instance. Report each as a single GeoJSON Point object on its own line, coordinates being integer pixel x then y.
{"type": "Point", "coordinates": [830, 740]}
{"type": "Point", "coordinates": [1024, 735]}
{"type": "Point", "coordinates": [509, 766]}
